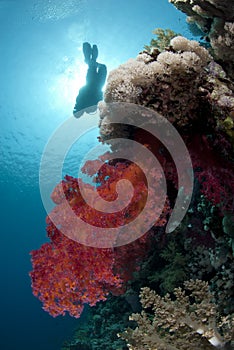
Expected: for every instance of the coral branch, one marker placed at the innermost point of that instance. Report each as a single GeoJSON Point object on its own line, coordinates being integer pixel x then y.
{"type": "Point", "coordinates": [188, 321]}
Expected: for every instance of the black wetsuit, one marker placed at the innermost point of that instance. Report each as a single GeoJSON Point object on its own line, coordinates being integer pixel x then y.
{"type": "Point", "coordinates": [90, 94]}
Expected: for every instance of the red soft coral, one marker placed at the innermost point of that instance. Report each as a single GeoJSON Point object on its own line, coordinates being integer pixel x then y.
{"type": "Point", "coordinates": [67, 274]}
{"type": "Point", "coordinates": [215, 174]}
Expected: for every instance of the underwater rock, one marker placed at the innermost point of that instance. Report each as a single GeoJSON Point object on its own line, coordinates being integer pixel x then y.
{"type": "Point", "coordinates": [215, 19]}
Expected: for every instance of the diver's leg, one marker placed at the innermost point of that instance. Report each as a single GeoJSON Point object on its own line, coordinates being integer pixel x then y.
{"type": "Point", "coordinates": [94, 53]}
{"type": "Point", "coordinates": [101, 74]}
{"type": "Point", "coordinates": [87, 51]}
{"type": "Point", "coordinates": [92, 73]}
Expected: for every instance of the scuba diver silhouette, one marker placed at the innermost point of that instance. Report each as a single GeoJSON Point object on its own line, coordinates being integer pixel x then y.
{"type": "Point", "coordinates": [90, 94]}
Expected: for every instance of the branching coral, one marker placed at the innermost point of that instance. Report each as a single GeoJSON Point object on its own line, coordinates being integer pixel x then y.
{"type": "Point", "coordinates": [163, 38]}
{"type": "Point", "coordinates": [188, 321]}
{"type": "Point", "coordinates": [174, 270]}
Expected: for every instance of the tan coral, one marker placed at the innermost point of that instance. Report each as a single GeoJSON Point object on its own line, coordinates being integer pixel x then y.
{"type": "Point", "coordinates": [188, 321]}
{"type": "Point", "coordinates": [179, 83]}
{"type": "Point", "coordinates": [162, 82]}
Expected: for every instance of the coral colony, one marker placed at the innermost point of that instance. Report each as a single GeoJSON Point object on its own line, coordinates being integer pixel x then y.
{"type": "Point", "coordinates": [184, 278]}
{"type": "Point", "coordinates": [67, 274]}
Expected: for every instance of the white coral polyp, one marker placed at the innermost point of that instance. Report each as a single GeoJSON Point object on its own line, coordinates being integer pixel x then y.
{"type": "Point", "coordinates": [144, 57]}
{"type": "Point", "coordinates": [191, 60]}
{"type": "Point", "coordinates": [181, 44]}
{"type": "Point", "coordinates": [126, 92]}
{"type": "Point", "coordinates": [180, 62]}
{"type": "Point", "coordinates": [127, 82]}
{"type": "Point", "coordinates": [169, 59]}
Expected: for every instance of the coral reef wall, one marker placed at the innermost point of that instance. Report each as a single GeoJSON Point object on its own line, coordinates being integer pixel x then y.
{"type": "Point", "coordinates": [161, 80]}
{"type": "Point", "coordinates": [192, 87]}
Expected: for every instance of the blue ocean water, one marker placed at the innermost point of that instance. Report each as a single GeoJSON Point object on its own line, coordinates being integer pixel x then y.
{"type": "Point", "coordinates": [41, 70]}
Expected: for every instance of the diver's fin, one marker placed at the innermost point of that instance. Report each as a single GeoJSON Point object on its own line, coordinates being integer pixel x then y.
{"type": "Point", "coordinates": [87, 51]}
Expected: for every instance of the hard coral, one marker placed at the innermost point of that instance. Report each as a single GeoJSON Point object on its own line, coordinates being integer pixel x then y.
{"type": "Point", "coordinates": [215, 18]}
{"type": "Point", "coordinates": [183, 83]}
{"type": "Point", "coordinates": [188, 321]}
{"type": "Point", "coordinates": [163, 83]}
